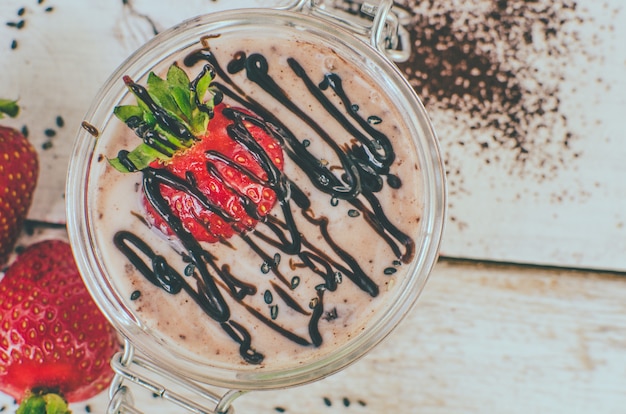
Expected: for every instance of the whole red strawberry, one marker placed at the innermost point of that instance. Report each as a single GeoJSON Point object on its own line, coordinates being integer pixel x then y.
{"type": "Point", "coordinates": [19, 169]}
{"type": "Point", "coordinates": [54, 337]}
{"type": "Point", "coordinates": [201, 150]}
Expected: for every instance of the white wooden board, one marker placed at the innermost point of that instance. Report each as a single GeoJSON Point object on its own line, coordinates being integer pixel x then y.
{"type": "Point", "coordinates": [482, 339]}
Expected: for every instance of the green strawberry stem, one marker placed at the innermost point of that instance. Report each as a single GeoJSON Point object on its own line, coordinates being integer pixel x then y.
{"type": "Point", "coordinates": [8, 107]}
{"type": "Point", "coordinates": [170, 115]}
{"type": "Point", "coordinates": [43, 403]}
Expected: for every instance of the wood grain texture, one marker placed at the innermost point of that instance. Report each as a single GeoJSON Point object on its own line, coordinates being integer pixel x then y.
{"type": "Point", "coordinates": [564, 205]}
{"type": "Point", "coordinates": [481, 339]}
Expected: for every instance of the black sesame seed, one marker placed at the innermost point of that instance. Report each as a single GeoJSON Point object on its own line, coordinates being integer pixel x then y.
{"type": "Point", "coordinates": [397, 263]}
{"type": "Point", "coordinates": [353, 213]}
{"type": "Point", "coordinates": [394, 181]}
{"type": "Point", "coordinates": [361, 403]}
{"type": "Point", "coordinates": [40, 1]}
{"type": "Point", "coordinates": [374, 120]}
{"type": "Point", "coordinates": [50, 132]}
{"type": "Point", "coordinates": [135, 295]}
{"type": "Point", "coordinates": [274, 312]}
{"type": "Point", "coordinates": [346, 402]}
{"type": "Point", "coordinates": [354, 107]}
{"type": "Point", "coordinates": [88, 408]}
{"type": "Point", "coordinates": [390, 270]}
{"type": "Point", "coordinates": [46, 145]}
{"type": "Point", "coordinates": [306, 142]}
{"type": "Point", "coordinates": [12, 24]}
{"type": "Point", "coordinates": [334, 202]}
{"type": "Point", "coordinates": [21, 11]}
{"type": "Point", "coordinates": [20, 24]}
{"type": "Point", "coordinates": [295, 281]}
{"type": "Point", "coordinates": [265, 267]}
{"type": "Point", "coordinates": [268, 297]}
{"type": "Point", "coordinates": [49, 9]}
{"type": "Point", "coordinates": [189, 269]}
{"type": "Point", "coordinates": [60, 121]}
{"type": "Point", "coordinates": [25, 131]}
{"type": "Point", "coordinates": [327, 402]}
{"type": "Point", "coordinates": [14, 44]}
{"type": "Point", "coordinates": [276, 259]}
{"type": "Point", "coordinates": [279, 409]}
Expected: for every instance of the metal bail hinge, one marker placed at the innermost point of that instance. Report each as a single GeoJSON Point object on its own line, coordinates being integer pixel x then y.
{"type": "Point", "coordinates": [377, 20]}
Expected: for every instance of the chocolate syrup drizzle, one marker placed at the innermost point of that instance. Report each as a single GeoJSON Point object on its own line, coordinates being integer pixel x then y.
{"type": "Point", "coordinates": [364, 164]}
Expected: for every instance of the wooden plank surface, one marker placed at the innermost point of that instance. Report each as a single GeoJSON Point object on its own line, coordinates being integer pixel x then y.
{"type": "Point", "coordinates": [481, 339]}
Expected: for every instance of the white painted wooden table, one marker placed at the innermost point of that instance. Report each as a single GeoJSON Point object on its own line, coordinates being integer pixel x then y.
{"type": "Point", "coordinates": [484, 337]}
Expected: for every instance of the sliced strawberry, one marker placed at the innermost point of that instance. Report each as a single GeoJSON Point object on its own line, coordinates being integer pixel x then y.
{"type": "Point", "coordinates": [189, 137]}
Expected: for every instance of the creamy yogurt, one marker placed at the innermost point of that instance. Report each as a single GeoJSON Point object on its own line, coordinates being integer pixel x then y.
{"type": "Point", "coordinates": [284, 308]}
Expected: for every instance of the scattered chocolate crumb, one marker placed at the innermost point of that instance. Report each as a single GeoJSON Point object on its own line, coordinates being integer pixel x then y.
{"type": "Point", "coordinates": [330, 315]}
{"type": "Point", "coordinates": [494, 69]}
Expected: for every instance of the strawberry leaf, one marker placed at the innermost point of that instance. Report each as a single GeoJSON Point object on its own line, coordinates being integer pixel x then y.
{"type": "Point", "coordinates": [159, 90]}
{"type": "Point", "coordinates": [125, 112]}
{"type": "Point", "coordinates": [9, 108]}
{"type": "Point", "coordinates": [40, 403]}
{"type": "Point", "coordinates": [170, 115]}
{"type": "Point", "coordinates": [149, 118]}
{"type": "Point", "coordinates": [199, 122]}
{"type": "Point", "coordinates": [141, 157]}
{"type": "Point", "coordinates": [182, 98]}
{"type": "Point", "coordinates": [176, 77]}
{"type": "Point", "coordinates": [202, 85]}
{"type": "Point", "coordinates": [179, 89]}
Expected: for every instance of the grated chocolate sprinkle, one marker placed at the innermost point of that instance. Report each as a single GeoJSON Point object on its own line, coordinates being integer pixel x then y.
{"type": "Point", "coordinates": [495, 70]}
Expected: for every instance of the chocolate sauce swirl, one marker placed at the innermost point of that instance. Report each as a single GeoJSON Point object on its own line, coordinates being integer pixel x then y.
{"type": "Point", "coordinates": [364, 164]}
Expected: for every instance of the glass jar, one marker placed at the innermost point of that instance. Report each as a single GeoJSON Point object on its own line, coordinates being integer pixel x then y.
{"type": "Point", "coordinates": [365, 44]}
